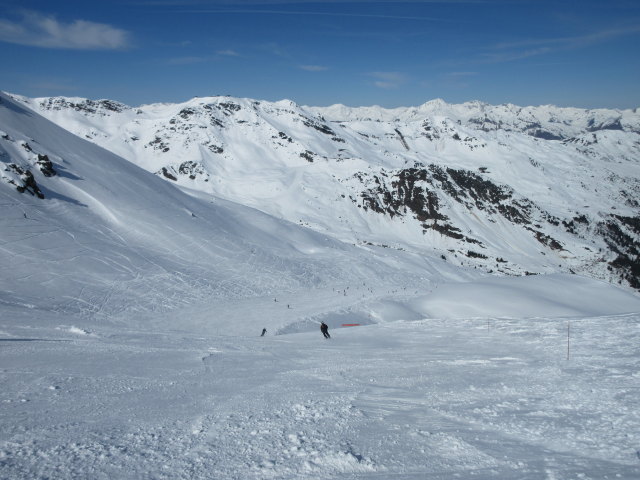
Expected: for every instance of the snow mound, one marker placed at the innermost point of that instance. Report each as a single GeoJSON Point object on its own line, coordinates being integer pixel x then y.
{"type": "Point", "coordinates": [547, 296]}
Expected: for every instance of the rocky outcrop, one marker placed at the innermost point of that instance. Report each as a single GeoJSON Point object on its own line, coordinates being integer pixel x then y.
{"type": "Point", "coordinates": [189, 169]}
{"type": "Point", "coordinates": [26, 183]}
{"type": "Point", "coordinates": [46, 166]}
{"type": "Point", "coordinates": [85, 106]}
{"type": "Point", "coordinates": [159, 144]}
{"type": "Point", "coordinates": [622, 235]}
{"type": "Point", "coordinates": [420, 191]}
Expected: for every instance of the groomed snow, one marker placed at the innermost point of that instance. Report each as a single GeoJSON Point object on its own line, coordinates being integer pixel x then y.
{"type": "Point", "coordinates": [412, 399]}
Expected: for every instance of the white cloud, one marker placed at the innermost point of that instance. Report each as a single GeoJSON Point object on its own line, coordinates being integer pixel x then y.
{"type": "Point", "coordinates": [53, 85]}
{"type": "Point", "coordinates": [228, 53]}
{"type": "Point", "coordinates": [305, 13]}
{"type": "Point", "coordinates": [314, 68]}
{"type": "Point", "coordinates": [275, 49]}
{"type": "Point", "coordinates": [388, 80]}
{"type": "Point", "coordinates": [189, 60]}
{"type": "Point", "coordinates": [510, 51]}
{"type": "Point", "coordinates": [459, 79]}
{"type": "Point", "coordinates": [39, 30]}
{"type": "Point", "coordinates": [500, 57]}
{"type": "Point", "coordinates": [461, 74]}
{"type": "Point", "coordinates": [194, 59]}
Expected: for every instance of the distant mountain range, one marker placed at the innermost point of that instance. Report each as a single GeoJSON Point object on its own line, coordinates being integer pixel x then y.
{"type": "Point", "coordinates": [503, 190]}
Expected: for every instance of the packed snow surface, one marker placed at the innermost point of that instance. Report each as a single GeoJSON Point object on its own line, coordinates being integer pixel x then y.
{"type": "Point", "coordinates": [491, 397]}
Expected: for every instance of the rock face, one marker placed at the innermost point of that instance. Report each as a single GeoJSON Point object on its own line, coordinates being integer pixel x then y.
{"type": "Point", "coordinates": [84, 106]}
{"type": "Point", "coordinates": [189, 169]}
{"type": "Point", "coordinates": [421, 190]}
{"type": "Point", "coordinates": [45, 165]}
{"type": "Point", "coordinates": [622, 235]}
{"type": "Point", "coordinates": [508, 189]}
{"type": "Point", "coordinates": [17, 160]}
{"type": "Point", "coordinates": [26, 182]}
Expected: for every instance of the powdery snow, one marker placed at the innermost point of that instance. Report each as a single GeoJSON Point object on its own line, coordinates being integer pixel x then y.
{"type": "Point", "coordinates": [431, 398]}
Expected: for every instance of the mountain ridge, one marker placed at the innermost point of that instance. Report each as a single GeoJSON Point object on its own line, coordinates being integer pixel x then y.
{"type": "Point", "coordinates": [107, 239]}
{"type": "Point", "coordinates": [503, 188]}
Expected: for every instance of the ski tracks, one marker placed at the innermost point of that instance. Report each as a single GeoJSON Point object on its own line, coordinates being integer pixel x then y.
{"type": "Point", "coordinates": [296, 430]}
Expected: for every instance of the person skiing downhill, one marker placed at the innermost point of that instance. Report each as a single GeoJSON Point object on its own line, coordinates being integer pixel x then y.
{"type": "Point", "coordinates": [324, 328]}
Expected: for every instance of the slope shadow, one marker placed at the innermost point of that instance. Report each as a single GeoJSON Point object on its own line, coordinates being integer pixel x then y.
{"type": "Point", "coordinates": [48, 193]}
{"type": "Point", "coordinates": [31, 340]}
{"type": "Point", "coordinates": [64, 173]}
{"type": "Point", "coordinates": [9, 103]}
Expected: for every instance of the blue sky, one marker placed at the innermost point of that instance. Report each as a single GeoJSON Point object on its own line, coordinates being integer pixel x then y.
{"type": "Point", "coordinates": [402, 53]}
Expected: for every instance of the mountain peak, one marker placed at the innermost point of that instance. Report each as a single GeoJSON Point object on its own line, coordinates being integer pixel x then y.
{"type": "Point", "coordinates": [435, 103]}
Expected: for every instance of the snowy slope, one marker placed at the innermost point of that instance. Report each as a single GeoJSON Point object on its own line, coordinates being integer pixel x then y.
{"type": "Point", "coordinates": [131, 308]}
{"type": "Point", "coordinates": [503, 188]}
{"type": "Point", "coordinates": [412, 397]}
{"type": "Point", "coordinates": [109, 237]}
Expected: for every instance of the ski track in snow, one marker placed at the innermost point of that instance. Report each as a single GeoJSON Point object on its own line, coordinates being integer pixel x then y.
{"type": "Point", "coordinates": [474, 398]}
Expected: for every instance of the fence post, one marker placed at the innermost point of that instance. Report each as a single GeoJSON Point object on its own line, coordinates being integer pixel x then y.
{"type": "Point", "coordinates": [568, 337]}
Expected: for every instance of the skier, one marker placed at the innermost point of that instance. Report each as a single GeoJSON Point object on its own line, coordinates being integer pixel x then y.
{"type": "Point", "coordinates": [264, 331]}
{"type": "Point", "coordinates": [325, 330]}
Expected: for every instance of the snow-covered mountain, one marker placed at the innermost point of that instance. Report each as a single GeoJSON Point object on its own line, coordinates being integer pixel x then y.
{"type": "Point", "coordinates": [506, 189]}
{"type": "Point", "coordinates": [96, 235]}
{"type": "Point", "coordinates": [132, 299]}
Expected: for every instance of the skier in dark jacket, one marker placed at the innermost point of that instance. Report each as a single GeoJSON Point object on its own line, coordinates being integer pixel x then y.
{"type": "Point", "coordinates": [324, 328]}
{"type": "Point", "coordinates": [264, 331]}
